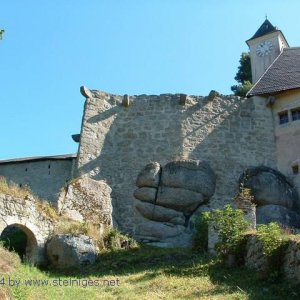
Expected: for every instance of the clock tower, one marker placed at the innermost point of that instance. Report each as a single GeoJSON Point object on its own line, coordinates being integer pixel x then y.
{"type": "Point", "coordinates": [265, 45]}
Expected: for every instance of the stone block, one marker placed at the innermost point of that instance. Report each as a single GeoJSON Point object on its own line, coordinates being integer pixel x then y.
{"type": "Point", "coordinates": [149, 176]}
{"type": "Point", "coordinates": [179, 199]}
{"type": "Point", "coordinates": [145, 194]}
{"type": "Point", "coordinates": [160, 214]}
{"type": "Point", "coordinates": [192, 175]}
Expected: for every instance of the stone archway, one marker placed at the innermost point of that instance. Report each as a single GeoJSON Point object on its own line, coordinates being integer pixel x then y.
{"type": "Point", "coordinates": [25, 215]}
{"type": "Point", "coordinates": [35, 245]}
{"type": "Point", "coordinates": [29, 244]}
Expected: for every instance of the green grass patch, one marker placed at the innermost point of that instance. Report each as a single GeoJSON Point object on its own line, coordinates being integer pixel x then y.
{"type": "Point", "coordinates": [147, 273]}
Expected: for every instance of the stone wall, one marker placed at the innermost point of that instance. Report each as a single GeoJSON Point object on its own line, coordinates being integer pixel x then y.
{"type": "Point", "coordinates": [23, 213]}
{"type": "Point", "coordinates": [120, 135]}
{"type": "Point", "coordinates": [45, 176]}
{"type": "Point", "coordinates": [289, 267]}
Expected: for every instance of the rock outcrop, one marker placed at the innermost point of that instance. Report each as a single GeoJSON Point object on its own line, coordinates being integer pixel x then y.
{"type": "Point", "coordinates": [291, 263]}
{"type": "Point", "coordinates": [277, 213]}
{"type": "Point", "coordinates": [67, 251]}
{"type": "Point", "coordinates": [255, 257]}
{"type": "Point", "coordinates": [274, 195]}
{"type": "Point", "coordinates": [86, 199]}
{"type": "Point", "coordinates": [168, 196]}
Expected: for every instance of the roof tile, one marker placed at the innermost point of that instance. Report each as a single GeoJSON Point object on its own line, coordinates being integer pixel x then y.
{"type": "Point", "coordinates": [283, 74]}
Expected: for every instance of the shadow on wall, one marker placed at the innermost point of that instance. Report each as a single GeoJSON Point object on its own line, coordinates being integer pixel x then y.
{"type": "Point", "coordinates": [117, 141]}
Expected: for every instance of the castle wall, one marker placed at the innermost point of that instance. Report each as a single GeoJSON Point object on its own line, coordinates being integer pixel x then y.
{"type": "Point", "coordinates": [44, 177]}
{"type": "Point", "coordinates": [118, 141]}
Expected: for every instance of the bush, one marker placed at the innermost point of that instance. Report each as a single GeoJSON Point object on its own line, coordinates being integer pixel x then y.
{"type": "Point", "coordinates": [231, 225]}
{"type": "Point", "coordinates": [201, 236]}
{"type": "Point", "coordinates": [271, 237]}
{"type": "Point", "coordinates": [114, 240]}
{"type": "Point", "coordinates": [274, 245]}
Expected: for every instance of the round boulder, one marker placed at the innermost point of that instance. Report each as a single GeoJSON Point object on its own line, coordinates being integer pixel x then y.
{"type": "Point", "coordinates": [276, 213]}
{"type": "Point", "coordinates": [68, 251]}
{"type": "Point", "coordinates": [193, 175]}
{"type": "Point", "coordinates": [269, 186]}
{"type": "Point", "coordinates": [149, 176]}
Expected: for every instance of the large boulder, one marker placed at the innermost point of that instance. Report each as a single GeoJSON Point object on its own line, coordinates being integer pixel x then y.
{"type": "Point", "coordinates": [194, 175]}
{"type": "Point", "coordinates": [179, 199]}
{"type": "Point", "coordinates": [67, 251]}
{"type": "Point", "coordinates": [149, 176]}
{"type": "Point", "coordinates": [159, 213]}
{"type": "Point", "coordinates": [277, 213]}
{"type": "Point", "coordinates": [168, 196]}
{"type": "Point", "coordinates": [175, 198]}
{"type": "Point", "coordinates": [147, 194]}
{"type": "Point", "coordinates": [164, 234]}
{"type": "Point", "coordinates": [269, 186]}
{"type": "Point", "coordinates": [86, 199]}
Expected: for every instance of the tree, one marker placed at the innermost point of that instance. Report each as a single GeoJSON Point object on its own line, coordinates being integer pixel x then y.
{"type": "Point", "coordinates": [1, 33]}
{"type": "Point", "coordinates": [243, 76]}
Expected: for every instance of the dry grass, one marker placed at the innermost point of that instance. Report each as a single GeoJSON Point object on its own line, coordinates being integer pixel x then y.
{"type": "Point", "coordinates": [69, 226]}
{"type": "Point", "coordinates": [43, 206]}
{"type": "Point", "coordinates": [47, 209]}
{"type": "Point", "coordinates": [8, 260]}
{"type": "Point", "coordinates": [13, 189]}
{"type": "Point", "coordinates": [5, 294]}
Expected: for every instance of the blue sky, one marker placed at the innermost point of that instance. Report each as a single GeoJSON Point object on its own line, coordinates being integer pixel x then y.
{"type": "Point", "coordinates": [51, 48]}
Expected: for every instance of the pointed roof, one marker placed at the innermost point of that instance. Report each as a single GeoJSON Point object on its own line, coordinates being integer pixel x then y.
{"type": "Point", "coordinates": [265, 28]}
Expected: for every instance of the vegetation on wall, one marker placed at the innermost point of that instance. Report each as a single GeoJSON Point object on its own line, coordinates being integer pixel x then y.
{"type": "Point", "coordinates": [274, 243]}
{"type": "Point", "coordinates": [12, 189]}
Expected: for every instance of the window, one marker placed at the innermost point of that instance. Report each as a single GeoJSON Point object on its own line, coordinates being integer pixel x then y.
{"type": "Point", "coordinates": [283, 117]}
{"type": "Point", "coordinates": [296, 114]}
{"type": "Point", "coordinates": [295, 169]}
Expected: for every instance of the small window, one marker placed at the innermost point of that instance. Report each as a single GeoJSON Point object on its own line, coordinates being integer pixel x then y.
{"type": "Point", "coordinates": [295, 169]}
{"type": "Point", "coordinates": [296, 114]}
{"type": "Point", "coordinates": [283, 117]}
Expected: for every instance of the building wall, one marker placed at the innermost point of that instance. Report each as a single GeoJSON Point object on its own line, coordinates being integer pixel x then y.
{"type": "Point", "coordinates": [44, 177]}
{"type": "Point", "coordinates": [117, 141]}
{"type": "Point", "coordinates": [287, 135]}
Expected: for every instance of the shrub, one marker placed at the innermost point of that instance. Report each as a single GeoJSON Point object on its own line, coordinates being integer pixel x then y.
{"type": "Point", "coordinates": [271, 237]}
{"type": "Point", "coordinates": [231, 225]}
{"type": "Point", "coordinates": [114, 240]}
{"type": "Point", "coordinates": [244, 195]}
{"type": "Point", "coordinates": [201, 236]}
{"type": "Point", "coordinates": [274, 244]}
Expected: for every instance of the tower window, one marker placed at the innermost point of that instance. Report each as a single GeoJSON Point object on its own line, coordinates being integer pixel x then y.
{"type": "Point", "coordinates": [283, 117]}
{"type": "Point", "coordinates": [296, 114]}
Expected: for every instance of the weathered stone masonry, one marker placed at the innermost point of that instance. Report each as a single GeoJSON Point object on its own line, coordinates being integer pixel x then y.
{"type": "Point", "coordinates": [120, 135]}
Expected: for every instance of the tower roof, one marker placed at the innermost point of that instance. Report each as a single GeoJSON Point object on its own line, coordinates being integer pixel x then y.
{"type": "Point", "coordinates": [282, 75]}
{"type": "Point", "coordinates": [264, 29]}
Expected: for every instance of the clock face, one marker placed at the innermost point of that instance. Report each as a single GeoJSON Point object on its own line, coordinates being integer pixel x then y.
{"type": "Point", "coordinates": [264, 48]}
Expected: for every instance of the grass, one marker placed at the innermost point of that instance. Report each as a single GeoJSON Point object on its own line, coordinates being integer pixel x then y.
{"type": "Point", "coordinates": [148, 273]}
{"type": "Point", "coordinates": [12, 189]}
